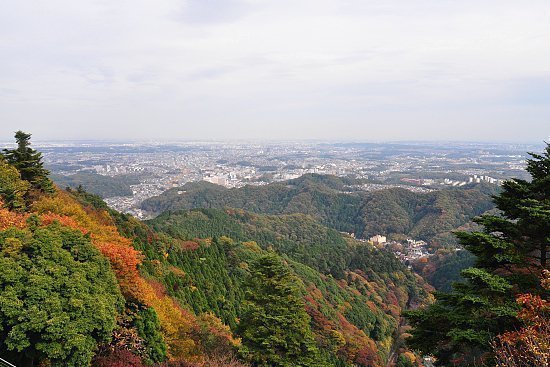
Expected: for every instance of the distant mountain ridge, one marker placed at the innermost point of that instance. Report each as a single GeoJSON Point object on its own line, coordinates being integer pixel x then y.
{"type": "Point", "coordinates": [336, 203]}
{"type": "Point", "coordinates": [104, 186]}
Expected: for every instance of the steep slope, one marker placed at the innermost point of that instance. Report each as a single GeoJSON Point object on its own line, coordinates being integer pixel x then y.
{"type": "Point", "coordinates": [336, 203]}
{"type": "Point", "coordinates": [173, 292]}
{"type": "Point", "coordinates": [359, 303]}
{"type": "Point", "coordinates": [60, 254]}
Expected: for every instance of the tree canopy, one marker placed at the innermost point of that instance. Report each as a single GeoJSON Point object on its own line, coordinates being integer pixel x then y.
{"type": "Point", "coordinates": [29, 163]}
{"type": "Point", "coordinates": [511, 252]}
{"type": "Point", "coordinates": [58, 296]}
{"type": "Point", "coordinates": [12, 188]}
{"type": "Point", "coordinates": [274, 325]}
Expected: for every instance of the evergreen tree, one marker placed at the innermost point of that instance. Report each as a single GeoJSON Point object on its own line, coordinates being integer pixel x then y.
{"type": "Point", "coordinates": [274, 325]}
{"type": "Point", "coordinates": [148, 327]}
{"type": "Point", "coordinates": [511, 251]}
{"type": "Point", "coordinates": [29, 163]}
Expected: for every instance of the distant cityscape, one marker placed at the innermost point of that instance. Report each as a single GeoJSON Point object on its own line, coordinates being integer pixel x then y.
{"type": "Point", "coordinates": [152, 168]}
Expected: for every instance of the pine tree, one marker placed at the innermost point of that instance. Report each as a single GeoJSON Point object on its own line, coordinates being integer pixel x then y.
{"type": "Point", "coordinates": [274, 325]}
{"type": "Point", "coordinates": [29, 163]}
{"type": "Point", "coordinates": [511, 251]}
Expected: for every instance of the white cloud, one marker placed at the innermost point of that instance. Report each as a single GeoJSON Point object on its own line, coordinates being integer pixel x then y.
{"type": "Point", "coordinates": [302, 68]}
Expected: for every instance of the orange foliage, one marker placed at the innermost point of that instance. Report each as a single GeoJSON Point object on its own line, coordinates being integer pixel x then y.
{"type": "Point", "coordinates": [177, 324]}
{"type": "Point", "coordinates": [530, 345]}
{"type": "Point", "coordinates": [49, 218]}
{"type": "Point", "coordinates": [11, 219]}
{"type": "Point", "coordinates": [124, 261]}
{"type": "Point", "coordinates": [359, 347]}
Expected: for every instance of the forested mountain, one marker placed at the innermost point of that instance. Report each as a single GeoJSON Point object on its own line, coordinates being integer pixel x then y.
{"type": "Point", "coordinates": [104, 186]}
{"type": "Point", "coordinates": [353, 292]}
{"type": "Point", "coordinates": [337, 204]}
{"type": "Point", "coordinates": [82, 284]}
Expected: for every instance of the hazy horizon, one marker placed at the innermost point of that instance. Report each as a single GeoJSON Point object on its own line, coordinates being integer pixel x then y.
{"type": "Point", "coordinates": [325, 70]}
{"type": "Point", "coordinates": [261, 141]}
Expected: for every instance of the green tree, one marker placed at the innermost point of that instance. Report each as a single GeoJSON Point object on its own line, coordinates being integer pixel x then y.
{"type": "Point", "coordinates": [12, 188]}
{"type": "Point", "coordinates": [148, 327]}
{"type": "Point", "coordinates": [58, 297]}
{"type": "Point", "coordinates": [274, 325]}
{"type": "Point", "coordinates": [29, 163]}
{"type": "Point", "coordinates": [511, 251]}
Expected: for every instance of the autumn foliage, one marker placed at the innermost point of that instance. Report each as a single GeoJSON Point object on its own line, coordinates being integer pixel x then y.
{"type": "Point", "coordinates": [530, 345]}
{"type": "Point", "coordinates": [178, 325]}
{"type": "Point", "coordinates": [11, 219]}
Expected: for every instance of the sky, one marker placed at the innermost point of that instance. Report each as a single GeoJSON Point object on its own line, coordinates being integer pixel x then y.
{"type": "Point", "coordinates": [362, 70]}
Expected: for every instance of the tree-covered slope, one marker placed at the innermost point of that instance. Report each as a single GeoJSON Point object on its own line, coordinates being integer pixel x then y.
{"type": "Point", "coordinates": [72, 292]}
{"type": "Point", "coordinates": [104, 186]}
{"type": "Point", "coordinates": [354, 292]}
{"type": "Point", "coordinates": [164, 295]}
{"type": "Point", "coordinates": [336, 203]}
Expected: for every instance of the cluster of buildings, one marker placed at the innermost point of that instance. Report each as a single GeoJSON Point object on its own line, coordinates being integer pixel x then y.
{"type": "Point", "coordinates": [406, 251]}
{"type": "Point", "coordinates": [473, 179]}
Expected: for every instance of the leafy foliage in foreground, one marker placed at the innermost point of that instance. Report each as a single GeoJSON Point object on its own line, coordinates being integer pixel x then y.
{"type": "Point", "coordinates": [58, 251]}
{"type": "Point", "coordinates": [530, 345]}
{"type": "Point", "coordinates": [58, 295]}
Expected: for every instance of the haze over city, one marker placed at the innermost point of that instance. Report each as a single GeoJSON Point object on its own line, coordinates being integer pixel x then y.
{"type": "Point", "coordinates": [324, 69]}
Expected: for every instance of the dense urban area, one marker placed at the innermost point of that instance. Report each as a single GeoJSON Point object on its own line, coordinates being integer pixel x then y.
{"type": "Point", "coordinates": [133, 172]}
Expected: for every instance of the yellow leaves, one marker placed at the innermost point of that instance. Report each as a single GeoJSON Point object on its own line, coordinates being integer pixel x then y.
{"type": "Point", "coordinates": [176, 323]}
{"type": "Point", "coordinates": [410, 355]}
{"type": "Point", "coordinates": [253, 246]}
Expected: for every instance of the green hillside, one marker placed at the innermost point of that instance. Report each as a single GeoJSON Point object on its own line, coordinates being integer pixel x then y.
{"type": "Point", "coordinates": [336, 203]}
{"type": "Point", "coordinates": [104, 186]}
{"type": "Point", "coordinates": [353, 292]}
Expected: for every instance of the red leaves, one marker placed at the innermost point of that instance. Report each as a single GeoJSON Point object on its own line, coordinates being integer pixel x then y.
{"type": "Point", "coordinates": [49, 218]}
{"type": "Point", "coordinates": [530, 345]}
{"type": "Point", "coordinates": [187, 245]}
{"type": "Point", "coordinates": [124, 261]}
{"type": "Point", "coordinates": [11, 219]}
{"type": "Point", "coordinates": [118, 358]}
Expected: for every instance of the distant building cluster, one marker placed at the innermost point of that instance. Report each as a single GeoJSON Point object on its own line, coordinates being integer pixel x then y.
{"type": "Point", "coordinates": [474, 179]}
{"type": "Point", "coordinates": [406, 251]}
{"type": "Point", "coordinates": [450, 182]}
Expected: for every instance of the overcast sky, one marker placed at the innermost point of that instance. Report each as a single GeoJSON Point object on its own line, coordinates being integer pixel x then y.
{"type": "Point", "coordinates": [280, 69]}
